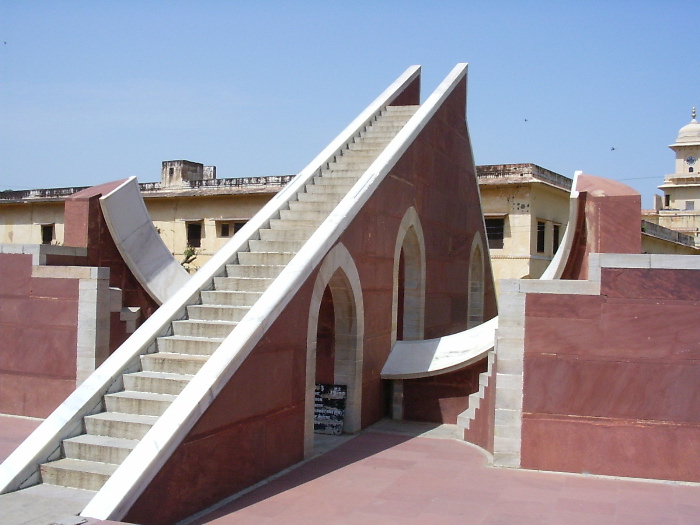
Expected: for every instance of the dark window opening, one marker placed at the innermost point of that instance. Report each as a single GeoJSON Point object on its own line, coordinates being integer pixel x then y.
{"type": "Point", "coordinates": [47, 233]}
{"type": "Point", "coordinates": [225, 229]}
{"type": "Point", "coordinates": [690, 169]}
{"type": "Point", "coordinates": [194, 234]}
{"type": "Point", "coordinates": [555, 237]}
{"type": "Point", "coordinates": [495, 232]}
{"type": "Point", "coordinates": [171, 171]}
{"type": "Point", "coordinates": [540, 236]}
{"type": "Point", "coordinates": [667, 201]}
{"type": "Point", "coordinates": [238, 225]}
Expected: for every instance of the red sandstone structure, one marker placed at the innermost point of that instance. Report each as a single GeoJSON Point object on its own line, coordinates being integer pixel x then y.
{"type": "Point", "coordinates": [375, 250]}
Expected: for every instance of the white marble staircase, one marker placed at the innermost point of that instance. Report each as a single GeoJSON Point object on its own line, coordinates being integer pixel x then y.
{"type": "Point", "coordinates": [89, 459]}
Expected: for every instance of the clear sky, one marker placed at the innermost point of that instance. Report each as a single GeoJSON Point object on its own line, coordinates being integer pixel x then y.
{"type": "Point", "coordinates": [93, 91]}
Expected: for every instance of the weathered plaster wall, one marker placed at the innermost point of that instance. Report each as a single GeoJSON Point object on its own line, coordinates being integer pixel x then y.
{"type": "Point", "coordinates": [610, 381]}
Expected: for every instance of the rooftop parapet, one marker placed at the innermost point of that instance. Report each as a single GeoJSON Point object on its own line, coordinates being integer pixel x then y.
{"type": "Point", "coordinates": [667, 234]}
{"type": "Point", "coordinates": [517, 173]}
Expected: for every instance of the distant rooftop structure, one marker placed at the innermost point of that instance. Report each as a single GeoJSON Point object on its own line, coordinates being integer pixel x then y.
{"type": "Point", "coordinates": [178, 177]}
{"type": "Point", "coordinates": [519, 173]}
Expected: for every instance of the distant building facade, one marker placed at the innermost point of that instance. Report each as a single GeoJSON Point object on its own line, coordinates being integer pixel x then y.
{"type": "Point", "coordinates": [526, 209]}
{"type": "Point", "coordinates": [679, 208]}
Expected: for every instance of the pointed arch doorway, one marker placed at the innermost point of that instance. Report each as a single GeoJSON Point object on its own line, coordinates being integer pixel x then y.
{"type": "Point", "coordinates": [335, 339]}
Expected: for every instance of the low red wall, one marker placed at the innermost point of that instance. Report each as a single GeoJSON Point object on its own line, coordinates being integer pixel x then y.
{"type": "Point", "coordinates": [38, 322]}
{"type": "Point", "coordinates": [441, 398]}
{"type": "Point", "coordinates": [611, 381]}
{"type": "Point", "coordinates": [480, 431]}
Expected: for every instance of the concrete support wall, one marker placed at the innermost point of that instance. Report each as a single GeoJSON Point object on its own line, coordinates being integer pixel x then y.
{"type": "Point", "coordinates": [55, 324]}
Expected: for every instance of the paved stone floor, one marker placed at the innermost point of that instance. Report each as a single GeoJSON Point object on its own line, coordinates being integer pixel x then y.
{"type": "Point", "coordinates": [406, 476]}
{"type": "Point", "coordinates": [419, 474]}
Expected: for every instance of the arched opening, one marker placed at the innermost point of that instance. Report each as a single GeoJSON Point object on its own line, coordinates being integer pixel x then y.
{"type": "Point", "coordinates": [409, 280]}
{"type": "Point", "coordinates": [475, 308]}
{"type": "Point", "coordinates": [334, 339]}
{"type": "Point", "coordinates": [408, 306]}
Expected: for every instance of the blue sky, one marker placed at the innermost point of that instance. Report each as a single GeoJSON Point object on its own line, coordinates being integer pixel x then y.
{"type": "Point", "coordinates": [96, 91]}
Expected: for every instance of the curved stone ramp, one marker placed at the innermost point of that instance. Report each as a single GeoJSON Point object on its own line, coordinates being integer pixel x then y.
{"type": "Point", "coordinates": [430, 357]}
{"type": "Point", "coordinates": [138, 242]}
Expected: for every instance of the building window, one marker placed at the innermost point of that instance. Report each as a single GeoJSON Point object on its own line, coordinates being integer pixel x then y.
{"type": "Point", "coordinates": [194, 234]}
{"type": "Point", "coordinates": [48, 233]}
{"type": "Point", "coordinates": [667, 201]}
{"type": "Point", "coordinates": [495, 232]}
{"type": "Point", "coordinates": [690, 205]}
{"type": "Point", "coordinates": [228, 228]}
{"type": "Point", "coordinates": [556, 232]}
{"type": "Point", "coordinates": [540, 236]}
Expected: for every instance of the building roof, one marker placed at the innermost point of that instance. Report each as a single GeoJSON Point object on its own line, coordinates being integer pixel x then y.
{"type": "Point", "coordinates": [688, 135]}
{"type": "Point", "coordinates": [521, 173]}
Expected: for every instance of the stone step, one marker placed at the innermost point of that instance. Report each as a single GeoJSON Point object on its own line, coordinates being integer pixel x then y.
{"type": "Point", "coordinates": [393, 125]}
{"type": "Point", "coordinates": [308, 226]}
{"type": "Point", "coordinates": [375, 147]}
{"type": "Point", "coordinates": [231, 298]}
{"type": "Point", "coordinates": [380, 134]}
{"type": "Point", "coordinates": [265, 258]}
{"type": "Point", "coordinates": [159, 382]}
{"type": "Point", "coordinates": [277, 246]}
{"type": "Point", "coordinates": [76, 473]}
{"type": "Point", "coordinates": [177, 344]}
{"type": "Point", "coordinates": [242, 284]}
{"type": "Point", "coordinates": [332, 189]}
{"type": "Point", "coordinates": [327, 206]}
{"type": "Point", "coordinates": [359, 156]}
{"type": "Point", "coordinates": [216, 312]}
{"type": "Point", "coordinates": [104, 449]}
{"type": "Point", "coordinates": [332, 178]}
{"type": "Point", "coordinates": [200, 328]}
{"type": "Point", "coordinates": [119, 425]}
{"type": "Point", "coordinates": [307, 215]}
{"type": "Point", "coordinates": [346, 164]}
{"type": "Point", "coordinates": [173, 363]}
{"type": "Point", "coordinates": [266, 271]}
{"type": "Point", "coordinates": [318, 197]}
{"type": "Point", "coordinates": [133, 402]}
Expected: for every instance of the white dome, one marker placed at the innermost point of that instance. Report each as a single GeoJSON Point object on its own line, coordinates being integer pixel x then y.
{"type": "Point", "coordinates": [689, 134]}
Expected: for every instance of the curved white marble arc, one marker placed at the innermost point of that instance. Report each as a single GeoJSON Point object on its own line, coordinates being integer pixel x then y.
{"type": "Point", "coordinates": [139, 243]}
{"type": "Point", "coordinates": [430, 357]}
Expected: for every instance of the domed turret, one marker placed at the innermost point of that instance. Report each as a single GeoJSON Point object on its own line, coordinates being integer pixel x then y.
{"type": "Point", "coordinates": [689, 135]}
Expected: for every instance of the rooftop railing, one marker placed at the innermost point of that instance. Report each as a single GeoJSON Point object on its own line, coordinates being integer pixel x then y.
{"type": "Point", "coordinates": [667, 234]}
{"type": "Point", "coordinates": [523, 171]}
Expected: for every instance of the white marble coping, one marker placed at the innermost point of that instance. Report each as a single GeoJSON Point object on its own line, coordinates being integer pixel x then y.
{"type": "Point", "coordinates": [139, 244]}
{"type": "Point", "coordinates": [40, 251]}
{"type": "Point", "coordinates": [70, 272]}
{"type": "Point", "coordinates": [640, 261]}
{"type": "Point", "coordinates": [413, 359]}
